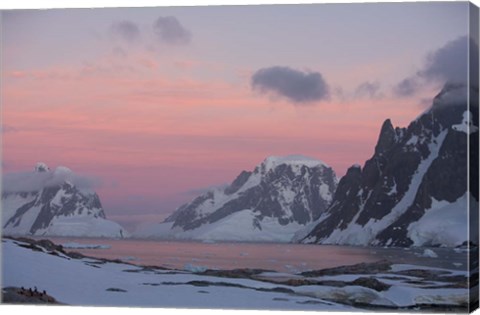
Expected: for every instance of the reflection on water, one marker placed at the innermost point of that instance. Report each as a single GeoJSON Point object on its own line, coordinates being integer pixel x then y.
{"type": "Point", "coordinates": [270, 256]}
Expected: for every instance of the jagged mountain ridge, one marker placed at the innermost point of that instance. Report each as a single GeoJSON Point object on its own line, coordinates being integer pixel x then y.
{"type": "Point", "coordinates": [415, 171]}
{"type": "Point", "coordinates": [282, 193]}
{"type": "Point", "coordinates": [55, 207]}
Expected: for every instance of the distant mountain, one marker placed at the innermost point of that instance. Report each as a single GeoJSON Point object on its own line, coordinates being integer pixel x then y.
{"type": "Point", "coordinates": [47, 202]}
{"type": "Point", "coordinates": [413, 191]}
{"type": "Point", "coordinates": [270, 203]}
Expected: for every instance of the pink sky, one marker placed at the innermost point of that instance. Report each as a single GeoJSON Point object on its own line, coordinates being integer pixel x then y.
{"type": "Point", "coordinates": [156, 124]}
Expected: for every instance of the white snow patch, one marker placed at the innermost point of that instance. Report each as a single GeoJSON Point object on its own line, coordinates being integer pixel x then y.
{"type": "Point", "coordinates": [429, 253]}
{"type": "Point", "coordinates": [466, 125]}
{"type": "Point", "coordinates": [443, 224]}
{"type": "Point", "coordinates": [325, 192]}
{"type": "Point", "coordinates": [194, 268]}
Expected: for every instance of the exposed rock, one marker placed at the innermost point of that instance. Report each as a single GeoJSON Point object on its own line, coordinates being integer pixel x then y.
{"type": "Point", "coordinates": [14, 295]}
{"type": "Point", "coordinates": [361, 268]}
{"type": "Point", "coordinates": [115, 290]}
{"type": "Point", "coordinates": [372, 283]}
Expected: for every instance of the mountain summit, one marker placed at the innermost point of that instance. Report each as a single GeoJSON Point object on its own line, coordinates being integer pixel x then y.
{"type": "Point", "coordinates": [270, 203]}
{"type": "Point", "coordinates": [53, 203]}
{"type": "Point", "coordinates": [413, 191]}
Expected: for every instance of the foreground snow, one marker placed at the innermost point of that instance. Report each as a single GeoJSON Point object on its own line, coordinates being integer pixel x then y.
{"type": "Point", "coordinates": [98, 282]}
{"type": "Point", "coordinates": [444, 223]}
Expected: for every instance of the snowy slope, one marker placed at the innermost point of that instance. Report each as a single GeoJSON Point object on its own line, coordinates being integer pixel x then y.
{"type": "Point", "coordinates": [55, 203]}
{"type": "Point", "coordinates": [280, 196]}
{"type": "Point", "coordinates": [89, 286]}
{"type": "Point", "coordinates": [443, 223]}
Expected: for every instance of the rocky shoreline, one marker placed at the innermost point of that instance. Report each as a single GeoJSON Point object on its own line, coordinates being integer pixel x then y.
{"type": "Point", "coordinates": [15, 295]}
{"type": "Point", "coordinates": [364, 286]}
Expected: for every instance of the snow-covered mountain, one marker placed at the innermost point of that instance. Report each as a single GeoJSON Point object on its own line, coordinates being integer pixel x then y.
{"type": "Point", "coordinates": [53, 203]}
{"type": "Point", "coordinates": [413, 191]}
{"type": "Point", "coordinates": [270, 203]}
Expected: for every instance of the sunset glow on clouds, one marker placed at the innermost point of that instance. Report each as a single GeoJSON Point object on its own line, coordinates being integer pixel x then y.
{"type": "Point", "coordinates": [157, 103]}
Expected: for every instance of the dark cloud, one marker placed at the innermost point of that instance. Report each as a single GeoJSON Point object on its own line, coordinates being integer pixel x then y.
{"type": "Point", "coordinates": [169, 30]}
{"type": "Point", "coordinates": [368, 90]}
{"type": "Point", "coordinates": [296, 86]}
{"type": "Point", "coordinates": [448, 64]}
{"type": "Point", "coordinates": [407, 87]}
{"type": "Point", "coordinates": [456, 94]}
{"type": "Point", "coordinates": [126, 30]}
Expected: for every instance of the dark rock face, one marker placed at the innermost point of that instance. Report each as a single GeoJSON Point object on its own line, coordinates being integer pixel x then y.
{"type": "Point", "coordinates": [381, 266]}
{"type": "Point", "coordinates": [288, 192]}
{"type": "Point", "coordinates": [74, 204]}
{"type": "Point", "coordinates": [347, 193]}
{"type": "Point", "coordinates": [410, 167]}
{"type": "Point", "coordinates": [371, 283]}
{"type": "Point", "coordinates": [238, 182]}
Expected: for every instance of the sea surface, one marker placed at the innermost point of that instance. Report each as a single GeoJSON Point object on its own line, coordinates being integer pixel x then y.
{"type": "Point", "coordinates": [291, 258]}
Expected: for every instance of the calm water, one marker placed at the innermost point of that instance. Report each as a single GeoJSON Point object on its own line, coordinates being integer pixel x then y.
{"type": "Point", "coordinates": [278, 257]}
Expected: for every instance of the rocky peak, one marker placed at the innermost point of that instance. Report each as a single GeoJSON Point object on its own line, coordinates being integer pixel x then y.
{"type": "Point", "coordinates": [354, 170]}
{"type": "Point", "coordinates": [387, 137]}
{"type": "Point", "coordinates": [352, 178]}
{"type": "Point", "coordinates": [291, 161]}
{"type": "Point", "coordinates": [41, 167]}
{"type": "Point", "coordinates": [289, 189]}
{"type": "Point", "coordinates": [412, 170]}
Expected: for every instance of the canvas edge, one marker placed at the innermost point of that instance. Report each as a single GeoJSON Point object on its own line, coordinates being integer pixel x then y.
{"type": "Point", "coordinates": [473, 154]}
